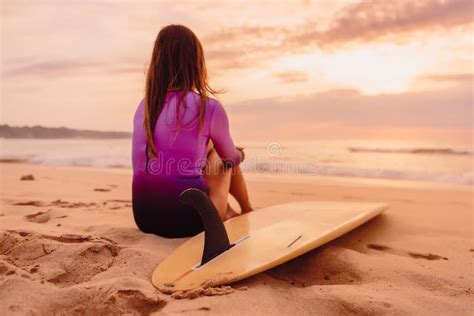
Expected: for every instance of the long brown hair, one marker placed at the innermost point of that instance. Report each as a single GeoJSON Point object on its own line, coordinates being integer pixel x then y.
{"type": "Point", "coordinates": [177, 63]}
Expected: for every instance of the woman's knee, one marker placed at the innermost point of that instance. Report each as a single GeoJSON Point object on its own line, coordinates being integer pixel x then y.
{"type": "Point", "coordinates": [210, 148]}
{"type": "Point", "coordinates": [215, 168]}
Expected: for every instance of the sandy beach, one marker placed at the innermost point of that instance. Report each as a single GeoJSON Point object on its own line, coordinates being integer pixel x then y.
{"type": "Point", "coordinates": [69, 245]}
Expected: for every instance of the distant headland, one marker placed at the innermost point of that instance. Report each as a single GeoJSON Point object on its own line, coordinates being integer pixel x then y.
{"type": "Point", "coordinates": [41, 132]}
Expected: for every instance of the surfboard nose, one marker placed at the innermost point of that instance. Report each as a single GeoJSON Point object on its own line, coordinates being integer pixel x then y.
{"type": "Point", "coordinates": [216, 240]}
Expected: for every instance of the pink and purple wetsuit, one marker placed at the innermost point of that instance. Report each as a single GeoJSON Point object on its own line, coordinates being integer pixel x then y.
{"type": "Point", "coordinates": [181, 158]}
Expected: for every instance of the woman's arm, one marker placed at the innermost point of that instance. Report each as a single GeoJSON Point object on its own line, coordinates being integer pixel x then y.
{"type": "Point", "coordinates": [221, 138]}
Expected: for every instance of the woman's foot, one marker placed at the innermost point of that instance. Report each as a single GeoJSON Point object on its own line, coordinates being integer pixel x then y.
{"type": "Point", "coordinates": [230, 213]}
{"type": "Point", "coordinates": [246, 209]}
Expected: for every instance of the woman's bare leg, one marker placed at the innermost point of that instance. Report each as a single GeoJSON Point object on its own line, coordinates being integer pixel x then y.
{"type": "Point", "coordinates": [221, 182]}
{"type": "Point", "coordinates": [238, 189]}
{"type": "Point", "coordinates": [218, 180]}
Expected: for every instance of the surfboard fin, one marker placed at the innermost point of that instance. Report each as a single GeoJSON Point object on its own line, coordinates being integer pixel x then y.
{"type": "Point", "coordinates": [216, 240]}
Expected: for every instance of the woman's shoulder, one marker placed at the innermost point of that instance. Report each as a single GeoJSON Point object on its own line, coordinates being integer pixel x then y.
{"type": "Point", "coordinates": [212, 104]}
{"type": "Point", "coordinates": [139, 112]}
{"type": "Point", "coordinates": [141, 104]}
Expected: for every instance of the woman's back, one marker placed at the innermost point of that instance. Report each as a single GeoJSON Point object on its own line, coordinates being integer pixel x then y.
{"type": "Point", "coordinates": [180, 141]}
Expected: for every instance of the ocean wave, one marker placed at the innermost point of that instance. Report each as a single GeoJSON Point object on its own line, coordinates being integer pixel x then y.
{"type": "Point", "coordinates": [427, 151]}
{"type": "Point", "coordinates": [343, 171]}
{"type": "Point", "coordinates": [458, 178]}
{"type": "Point", "coordinates": [102, 161]}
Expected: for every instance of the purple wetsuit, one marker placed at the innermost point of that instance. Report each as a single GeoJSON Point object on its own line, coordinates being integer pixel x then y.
{"type": "Point", "coordinates": [181, 157]}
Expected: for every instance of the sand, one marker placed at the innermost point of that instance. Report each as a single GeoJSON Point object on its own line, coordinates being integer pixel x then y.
{"type": "Point", "coordinates": [69, 245]}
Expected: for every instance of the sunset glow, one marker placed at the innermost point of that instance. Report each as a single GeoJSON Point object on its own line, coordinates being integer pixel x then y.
{"type": "Point", "coordinates": [89, 58]}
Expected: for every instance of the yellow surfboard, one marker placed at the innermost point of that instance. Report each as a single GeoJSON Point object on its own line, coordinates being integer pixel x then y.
{"type": "Point", "coordinates": [262, 240]}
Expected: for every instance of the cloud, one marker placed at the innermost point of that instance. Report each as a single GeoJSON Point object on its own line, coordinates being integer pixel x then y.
{"type": "Point", "coordinates": [463, 77]}
{"type": "Point", "coordinates": [291, 76]}
{"type": "Point", "coordinates": [71, 66]}
{"type": "Point", "coordinates": [330, 111]}
{"type": "Point", "coordinates": [363, 22]}
{"type": "Point", "coordinates": [49, 68]}
{"type": "Point", "coordinates": [370, 20]}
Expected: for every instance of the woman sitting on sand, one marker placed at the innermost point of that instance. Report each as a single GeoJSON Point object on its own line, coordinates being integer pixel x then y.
{"type": "Point", "coordinates": [171, 149]}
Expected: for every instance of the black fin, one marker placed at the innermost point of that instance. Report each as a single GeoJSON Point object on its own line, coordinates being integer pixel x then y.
{"type": "Point", "coordinates": [216, 240]}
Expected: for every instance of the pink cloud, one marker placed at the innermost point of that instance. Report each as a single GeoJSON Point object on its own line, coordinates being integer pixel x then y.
{"type": "Point", "coordinates": [355, 24]}
{"type": "Point", "coordinates": [291, 76]}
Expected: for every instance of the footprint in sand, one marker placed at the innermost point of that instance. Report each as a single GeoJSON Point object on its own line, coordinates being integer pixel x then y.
{"type": "Point", "coordinates": [117, 204]}
{"type": "Point", "coordinates": [58, 203]}
{"type": "Point", "coordinates": [101, 190]}
{"type": "Point", "coordinates": [61, 260]}
{"type": "Point", "coordinates": [94, 259]}
{"type": "Point", "coordinates": [135, 300]}
{"type": "Point", "coordinates": [40, 217]}
{"type": "Point", "coordinates": [65, 204]}
{"type": "Point", "coordinates": [110, 186]}
{"type": "Point", "coordinates": [30, 203]}
{"type": "Point", "coordinates": [404, 253]}
{"type": "Point", "coordinates": [327, 266]}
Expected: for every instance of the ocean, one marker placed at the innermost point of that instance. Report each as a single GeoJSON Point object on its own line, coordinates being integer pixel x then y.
{"type": "Point", "coordinates": [383, 159]}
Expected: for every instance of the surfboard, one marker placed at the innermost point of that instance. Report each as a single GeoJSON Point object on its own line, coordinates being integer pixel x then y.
{"type": "Point", "coordinates": [261, 240]}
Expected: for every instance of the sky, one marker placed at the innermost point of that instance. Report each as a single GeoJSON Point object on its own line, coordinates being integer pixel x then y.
{"type": "Point", "coordinates": [289, 69]}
